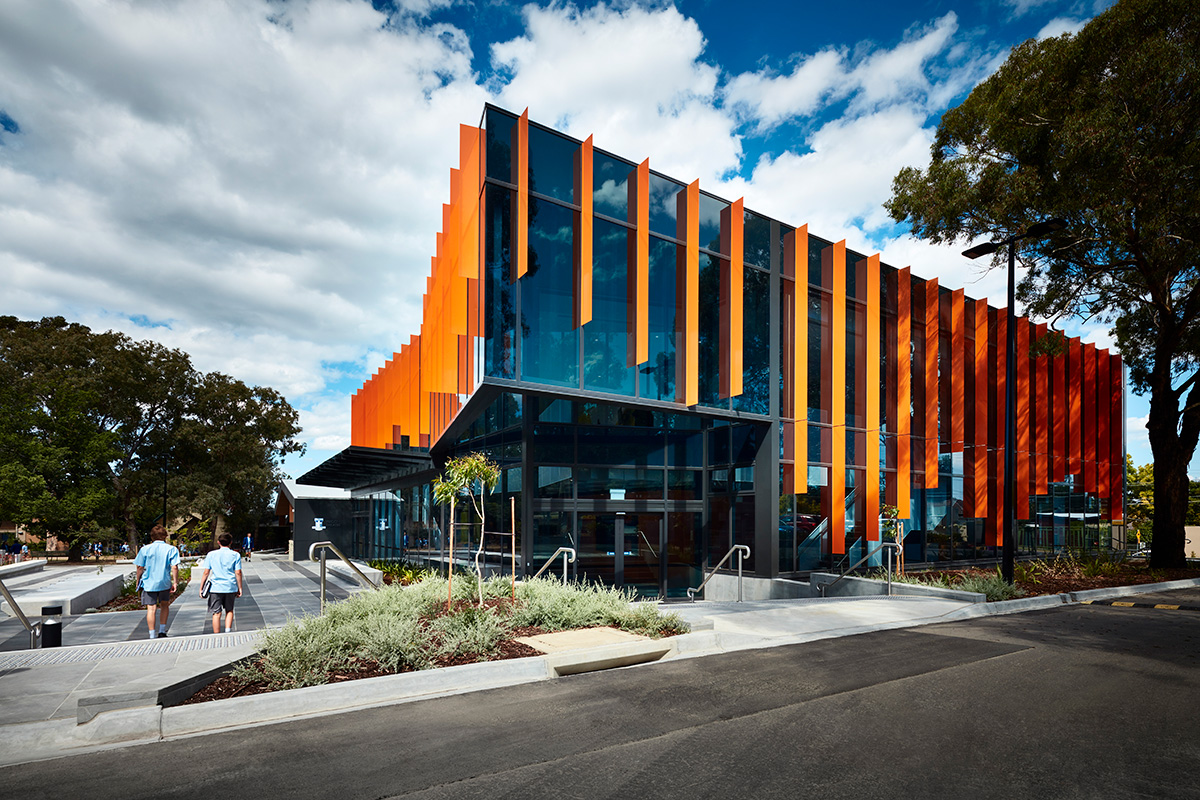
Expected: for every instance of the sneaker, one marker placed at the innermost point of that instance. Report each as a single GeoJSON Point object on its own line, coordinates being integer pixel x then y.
{"type": "Point", "coordinates": [162, 634]}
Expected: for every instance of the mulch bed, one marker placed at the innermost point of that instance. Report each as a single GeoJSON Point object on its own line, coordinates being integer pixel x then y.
{"type": "Point", "coordinates": [228, 686]}
{"type": "Point", "coordinates": [1123, 575]}
{"type": "Point", "coordinates": [133, 602]}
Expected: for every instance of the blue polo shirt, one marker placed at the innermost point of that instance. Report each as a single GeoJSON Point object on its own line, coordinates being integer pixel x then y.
{"type": "Point", "coordinates": [223, 564]}
{"type": "Point", "coordinates": [156, 559]}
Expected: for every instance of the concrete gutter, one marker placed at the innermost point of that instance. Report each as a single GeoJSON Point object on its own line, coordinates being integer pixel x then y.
{"type": "Point", "coordinates": [138, 715]}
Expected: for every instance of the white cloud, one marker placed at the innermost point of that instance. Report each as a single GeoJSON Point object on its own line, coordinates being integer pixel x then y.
{"type": "Point", "coordinates": [1020, 8]}
{"type": "Point", "coordinates": [1136, 435]}
{"type": "Point", "coordinates": [264, 179]}
{"type": "Point", "coordinates": [260, 184]}
{"type": "Point", "coordinates": [877, 78]}
{"type": "Point", "coordinates": [632, 77]}
{"type": "Point", "coordinates": [1060, 25]}
{"type": "Point", "coordinates": [838, 186]}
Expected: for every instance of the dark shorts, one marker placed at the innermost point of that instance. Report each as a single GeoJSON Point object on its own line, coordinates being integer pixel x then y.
{"type": "Point", "coordinates": [154, 598]}
{"type": "Point", "coordinates": [221, 601]}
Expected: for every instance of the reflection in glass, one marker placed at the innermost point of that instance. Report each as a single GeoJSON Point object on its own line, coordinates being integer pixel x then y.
{"type": "Point", "coordinates": [756, 343]}
{"type": "Point", "coordinates": [610, 177]}
{"type": "Point", "coordinates": [500, 298]}
{"type": "Point", "coordinates": [606, 337]}
{"type": "Point", "coordinates": [552, 164]}
{"type": "Point", "coordinates": [550, 349]}
{"type": "Point", "coordinates": [658, 373]}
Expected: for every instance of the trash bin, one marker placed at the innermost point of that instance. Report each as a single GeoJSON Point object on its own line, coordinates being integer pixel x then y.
{"type": "Point", "coordinates": [51, 626]}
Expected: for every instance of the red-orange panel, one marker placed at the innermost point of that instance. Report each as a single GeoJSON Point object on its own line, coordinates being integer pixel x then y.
{"type": "Point", "coordinates": [1041, 399]}
{"type": "Point", "coordinates": [958, 350]}
{"type": "Point", "coordinates": [1075, 401]}
{"type": "Point", "coordinates": [1103, 419]}
{"type": "Point", "coordinates": [1089, 417]}
{"type": "Point", "coordinates": [469, 151]}
{"type": "Point", "coordinates": [903, 414]}
{"type": "Point", "coordinates": [999, 443]}
{"type": "Point", "coordinates": [583, 241]}
{"type": "Point", "coordinates": [932, 311]}
{"type": "Point", "coordinates": [799, 256]}
{"type": "Point", "coordinates": [520, 225]}
{"type": "Point", "coordinates": [641, 309]}
{"type": "Point", "coordinates": [873, 382]}
{"type": "Point", "coordinates": [1059, 410]}
{"type": "Point", "coordinates": [731, 322]}
{"type": "Point", "coordinates": [1116, 376]}
{"type": "Point", "coordinates": [1021, 490]}
{"type": "Point", "coordinates": [979, 436]}
{"type": "Point", "coordinates": [691, 392]}
{"type": "Point", "coordinates": [356, 419]}
{"type": "Point", "coordinates": [837, 472]}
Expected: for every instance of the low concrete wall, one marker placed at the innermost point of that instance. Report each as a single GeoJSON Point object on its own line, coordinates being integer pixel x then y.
{"type": "Point", "coordinates": [22, 567]}
{"type": "Point", "coordinates": [865, 587]}
{"type": "Point", "coordinates": [335, 565]}
{"type": "Point", "coordinates": [723, 587]}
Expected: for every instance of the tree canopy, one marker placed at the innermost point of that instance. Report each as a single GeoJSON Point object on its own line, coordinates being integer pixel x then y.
{"type": "Point", "coordinates": [1100, 129]}
{"type": "Point", "coordinates": [93, 424]}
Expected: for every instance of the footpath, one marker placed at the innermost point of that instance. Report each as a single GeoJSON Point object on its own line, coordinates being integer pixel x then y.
{"type": "Point", "coordinates": [111, 686]}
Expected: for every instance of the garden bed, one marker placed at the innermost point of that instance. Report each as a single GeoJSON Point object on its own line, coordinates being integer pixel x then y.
{"type": "Point", "coordinates": [406, 629]}
{"type": "Point", "coordinates": [130, 599]}
{"type": "Point", "coordinates": [1056, 576]}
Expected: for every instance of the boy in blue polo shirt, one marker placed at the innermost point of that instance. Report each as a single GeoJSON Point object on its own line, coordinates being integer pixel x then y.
{"type": "Point", "coordinates": [224, 567]}
{"type": "Point", "coordinates": [158, 573]}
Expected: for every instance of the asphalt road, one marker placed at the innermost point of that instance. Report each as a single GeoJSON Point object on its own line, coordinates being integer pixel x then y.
{"type": "Point", "coordinates": [1079, 702]}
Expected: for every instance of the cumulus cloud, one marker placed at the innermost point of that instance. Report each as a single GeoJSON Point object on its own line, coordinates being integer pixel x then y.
{"type": "Point", "coordinates": [1060, 25]}
{"type": "Point", "coordinates": [633, 77]}
{"type": "Point", "coordinates": [260, 183]}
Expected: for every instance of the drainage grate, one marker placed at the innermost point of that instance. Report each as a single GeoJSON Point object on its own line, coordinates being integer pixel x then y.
{"type": "Point", "coordinates": [99, 652]}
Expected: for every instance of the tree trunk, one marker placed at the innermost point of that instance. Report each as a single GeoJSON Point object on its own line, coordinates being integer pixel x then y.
{"type": "Point", "coordinates": [1172, 451]}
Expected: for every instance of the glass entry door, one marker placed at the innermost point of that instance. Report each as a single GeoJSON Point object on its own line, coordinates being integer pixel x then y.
{"type": "Point", "coordinates": [622, 549]}
{"type": "Point", "coordinates": [643, 553]}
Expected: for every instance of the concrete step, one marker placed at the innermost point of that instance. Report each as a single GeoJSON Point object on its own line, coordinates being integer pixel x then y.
{"type": "Point", "coordinates": [75, 589]}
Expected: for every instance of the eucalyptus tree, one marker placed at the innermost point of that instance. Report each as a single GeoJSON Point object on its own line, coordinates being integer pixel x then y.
{"type": "Point", "coordinates": [1102, 129]}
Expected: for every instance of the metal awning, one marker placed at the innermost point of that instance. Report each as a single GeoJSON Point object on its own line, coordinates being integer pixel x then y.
{"type": "Point", "coordinates": [363, 466]}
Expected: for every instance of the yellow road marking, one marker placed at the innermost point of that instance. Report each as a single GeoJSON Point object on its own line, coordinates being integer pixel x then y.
{"type": "Point", "coordinates": [1085, 602]}
{"type": "Point", "coordinates": [1164, 605]}
{"type": "Point", "coordinates": [1124, 605]}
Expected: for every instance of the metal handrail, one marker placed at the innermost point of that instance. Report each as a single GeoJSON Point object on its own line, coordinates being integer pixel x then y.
{"type": "Point", "coordinates": [743, 552]}
{"type": "Point", "coordinates": [35, 628]}
{"type": "Point", "coordinates": [363, 579]}
{"type": "Point", "coordinates": [566, 551]}
{"type": "Point", "coordinates": [889, 546]}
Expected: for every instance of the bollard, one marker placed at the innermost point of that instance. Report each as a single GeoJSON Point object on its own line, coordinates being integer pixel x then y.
{"type": "Point", "coordinates": [51, 626]}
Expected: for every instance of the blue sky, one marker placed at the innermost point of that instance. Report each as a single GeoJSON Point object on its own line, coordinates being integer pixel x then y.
{"type": "Point", "coordinates": [260, 182]}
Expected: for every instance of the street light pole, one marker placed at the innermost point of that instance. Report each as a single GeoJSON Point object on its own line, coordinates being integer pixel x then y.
{"type": "Point", "coordinates": [1008, 523]}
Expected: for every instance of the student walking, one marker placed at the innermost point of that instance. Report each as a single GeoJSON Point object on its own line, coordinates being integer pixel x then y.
{"type": "Point", "coordinates": [224, 567]}
{"type": "Point", "coordinates": [158, 574]}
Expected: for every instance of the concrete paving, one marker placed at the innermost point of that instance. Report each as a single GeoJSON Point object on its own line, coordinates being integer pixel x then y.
{"type": "Point", "coordinates": [112, 686]}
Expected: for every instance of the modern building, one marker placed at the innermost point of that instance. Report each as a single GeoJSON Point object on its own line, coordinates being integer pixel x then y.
{"type": "Point", "coordinates": [662, 374]}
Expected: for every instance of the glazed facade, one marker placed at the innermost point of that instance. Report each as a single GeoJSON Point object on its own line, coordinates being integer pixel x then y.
{"type": "Point", "coordinates": [662, 374]}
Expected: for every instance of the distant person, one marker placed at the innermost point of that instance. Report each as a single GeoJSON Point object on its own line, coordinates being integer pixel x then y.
{"type": "Point", "coordinates": [24, 551]}
{"type": "Point", "coordinates": [224, 567]}
{"type": "Point", "coordinates": [158, 574]}
{"type": "Point", "coordinates": [248, 546]}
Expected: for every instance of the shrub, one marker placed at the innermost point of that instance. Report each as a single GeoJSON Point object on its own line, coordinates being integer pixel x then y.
{"type": "Point", "coordinates": [410, 627]}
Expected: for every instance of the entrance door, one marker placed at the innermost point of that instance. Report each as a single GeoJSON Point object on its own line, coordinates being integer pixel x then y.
{"type": "Point", "coordinates": [622, 549]}
{"type": "Point", "coordinates": [643, 554]}
{"type": "Point", "coordinates": [597, 556]}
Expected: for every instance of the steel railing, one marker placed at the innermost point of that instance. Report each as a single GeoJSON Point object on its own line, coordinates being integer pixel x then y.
{"type": "Point", "coordinates": [743, 552]}
{"type": "Point", "coordinates": [34, 628]}
{"type": "Point", "coordinates": [889, 546]}
{"type": "Point", "coordinates": [565, 551]}
{"type": "Point", "coordinates": [325, 546]}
